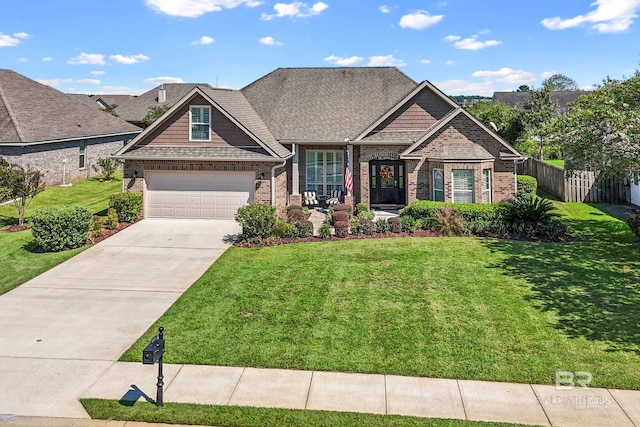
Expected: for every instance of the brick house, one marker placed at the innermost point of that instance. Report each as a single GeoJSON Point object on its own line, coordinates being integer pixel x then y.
{"type": "Point", "coordinates": [300, 129]}
{"type": "Point", "coordinates": [57, 134]}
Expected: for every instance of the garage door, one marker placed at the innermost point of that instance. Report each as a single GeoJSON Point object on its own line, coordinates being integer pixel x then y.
{"type": "Point", "coordinates": [214, 195]}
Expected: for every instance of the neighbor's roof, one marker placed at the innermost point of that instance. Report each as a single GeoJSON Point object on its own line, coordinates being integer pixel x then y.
{"type": "Point", "coordinates": [137, 107]}
{"type": "Point", "coordinates": [33, 112]}
{"type": "Point", "coordinates": [326, 104]}
{"type": "Point", "coordinates": [513, 99]}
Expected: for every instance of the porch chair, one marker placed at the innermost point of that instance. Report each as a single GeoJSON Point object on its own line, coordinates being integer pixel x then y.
{"type": "Point", "coordinates": [310, 199]}
{"type": "Point", "coordinates": [335, 197]}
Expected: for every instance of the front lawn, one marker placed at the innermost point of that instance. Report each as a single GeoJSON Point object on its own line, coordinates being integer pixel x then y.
{"type": "Point", "coordinates": [17, 263]}
{"type": "Point", "coordinates": [466, 308]}
{"type": "Point", "coordinates": [556, 163]}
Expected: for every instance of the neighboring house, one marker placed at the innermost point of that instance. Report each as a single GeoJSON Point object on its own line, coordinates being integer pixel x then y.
{"type": "Point", "coordinates": [635, 189]}
{"type": "Point", "coordinates": [516, 99]}
{"type": "Point", "coordinates": [59, 135]}
{"type": "Point", "coordinates": [301, 129]}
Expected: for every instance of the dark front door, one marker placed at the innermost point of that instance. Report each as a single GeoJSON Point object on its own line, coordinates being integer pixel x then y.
{"type": "Point", "coordinates": [387, 183]}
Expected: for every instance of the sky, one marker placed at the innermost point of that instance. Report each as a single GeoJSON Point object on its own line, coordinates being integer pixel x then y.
{"type": "Point", "coordinates": [469, 47]}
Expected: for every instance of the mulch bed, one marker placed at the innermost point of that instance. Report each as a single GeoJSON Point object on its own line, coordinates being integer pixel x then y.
{"type": "Point", "coordinates": [106, 233]}
{"type": "Point", "coordinates": [15, 228]}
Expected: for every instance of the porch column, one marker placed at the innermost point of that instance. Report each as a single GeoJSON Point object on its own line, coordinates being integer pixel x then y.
{"type": "Point", "coordinates": [295, 178]}
{"type": "Point", "coordinates": [350, 163]}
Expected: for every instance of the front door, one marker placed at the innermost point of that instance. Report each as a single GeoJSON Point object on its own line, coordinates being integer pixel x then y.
{"type": "Point", "coordinates": [387, 183]}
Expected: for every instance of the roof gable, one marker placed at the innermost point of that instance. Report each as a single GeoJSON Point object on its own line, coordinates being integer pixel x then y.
{"type": "Point", "coordinates": [325, 104]}
{"type": "Point", "coordinates": [33, 112]}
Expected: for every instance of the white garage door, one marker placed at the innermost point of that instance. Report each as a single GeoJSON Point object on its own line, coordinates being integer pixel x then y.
{"type": "Point", "coordinates": [214, 195]}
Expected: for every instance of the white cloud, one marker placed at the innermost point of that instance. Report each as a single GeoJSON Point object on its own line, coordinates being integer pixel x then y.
{"type": "Point", "coordinates": [49, 82]}
{"type": "Point", "coordinates": [471, 43]}
{"type": "Point", "coordinates": [47, 59]}
{"type": "Point", "coordinates": [419, 20]}
{"type": "Point", "coordinates": [164, 79]}
{"type": "Point", "coordinates": [547, 74]}
{"type": "Point", "coordinates": [507, 75]}
{"type": "Point", "coordinates": [385, 61]}
{"type": "Point", "coordinates": [449, 62]}
{"type": "Point", "coordinates": [88, 82]}
{"type": "Point", "coordinates": [195, 8]}
{"type": "Point", "coordinates": [57, 82]}
{"type": "Point", "coordinates": [464, 87]}
{"type": "Point", "coordinates": [23, 59]}
{"type": "Point", "coordinates": [119, 90]}
{"type": "Point", "coordinates": [97, 73]}
{"type": "Point", "coordinates": [344, 61]}
{"type": "Point", "coordinates": [384, 9]}
{"type": "Point", "coordinates": [296, 9]}
{"type": "Point", "coordinates": [425, 61]}
{"type": "Point", "coordinates": [13, 40]}
{"type": "Point", "coordinates": [270, 41]}
{"type": "Point", "coordinates": [128, 60]}
{"type": "Point", "coordinates": [204, 40]}
{"type": "Point", "coordinates": [610, 16]}
{"type": "Point", "coordinates": [87, 58]}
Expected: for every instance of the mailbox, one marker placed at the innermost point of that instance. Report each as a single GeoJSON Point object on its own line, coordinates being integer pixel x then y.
{"type": "Point", "coordinates": [153, 352]}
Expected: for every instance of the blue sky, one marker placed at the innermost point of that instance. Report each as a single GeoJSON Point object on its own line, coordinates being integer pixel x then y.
{"type": "Point", "coordinates": [462, 46]}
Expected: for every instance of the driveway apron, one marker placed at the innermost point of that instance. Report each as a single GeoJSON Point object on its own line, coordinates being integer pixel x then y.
{"type": "Point", "coordinates": [62, 330]}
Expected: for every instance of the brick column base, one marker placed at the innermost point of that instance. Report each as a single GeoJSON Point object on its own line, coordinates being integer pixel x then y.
{"type": "Point", "coordinates": [348, 200]}
{"type": "Point", "coordinates": [295, 199]}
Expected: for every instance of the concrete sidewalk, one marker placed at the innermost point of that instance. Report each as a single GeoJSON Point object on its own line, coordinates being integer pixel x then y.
{"type": "Point", "coordinates": [377, 394]}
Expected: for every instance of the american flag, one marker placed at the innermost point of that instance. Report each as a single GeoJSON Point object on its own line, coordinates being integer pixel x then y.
{"type": "Point", "coordinates": [348, 180]}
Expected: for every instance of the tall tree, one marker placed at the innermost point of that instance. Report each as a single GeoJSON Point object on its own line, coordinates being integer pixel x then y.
{"type": "Point", "coordinates": [507, 121]}
{"type": "Point", "coordinates": [523, 88]}
{"type": "Point", "coordinates": [538, 114]}
{"type": "Point", "coordinates": [21, 185]}
{"type": "Point", "coordinates": [602, 130]}
{"type": "Point", "coordinates": [559, 82]}
{"type": "Point", "coordinates": [154, 113]}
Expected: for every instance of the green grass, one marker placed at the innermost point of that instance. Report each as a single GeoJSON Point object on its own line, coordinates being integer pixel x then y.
{"type": "Point", "coordinates": [175, 413]}
{"type": "Point", "coordinates": [17, 262]}
{"type": "Point", "coordinates": [557, 163]}
{"type": "Point", "coordinates": [466, 308]}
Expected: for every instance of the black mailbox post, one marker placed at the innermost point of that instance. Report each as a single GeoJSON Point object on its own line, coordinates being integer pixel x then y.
{"type": "Point", "coordinates": [153, 354]}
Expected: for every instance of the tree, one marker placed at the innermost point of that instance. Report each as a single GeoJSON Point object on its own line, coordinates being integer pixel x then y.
{"type": "Point", "coordinates": [559, 82]}
{"type": "Point", "coordinates": [111, 109]}
{"type": "Point", "coordinates": [523, 88]}
{"type": "Point", "coordinates": [507, 121]}
{"type": "Point", "coordinates": [106, 167]}
{"type": "Point", "coordinates": [602, 130]}
{"type": "Point", "coordinates": [21, 185]}
{"type": "Point", "coordinates": [154, 113]}
{"type": "Point", "coordinates": [538, 114]}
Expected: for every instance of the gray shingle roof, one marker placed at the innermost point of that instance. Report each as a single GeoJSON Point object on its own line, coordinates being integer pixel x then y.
{"type": "Point", "coordinates": [177, 153]}
{"type": "Point", "coordinates": [326, 104]}
{"type": "Point", "coordinates": [33, 112]}
{"type": "Point", "coordinates": [135, 109]}
{"type": "Point", "coordinates": [513, 99]}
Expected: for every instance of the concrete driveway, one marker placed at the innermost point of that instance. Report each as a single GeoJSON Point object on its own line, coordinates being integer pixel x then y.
{"type": "Point", "coordinates": [62, 330]}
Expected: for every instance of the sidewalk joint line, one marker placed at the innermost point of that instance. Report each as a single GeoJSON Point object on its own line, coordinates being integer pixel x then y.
{"type": "Point", "coordinates": [174, 377]}
{"type": "Point", "coordinates": [541, 405]}
{"type": "Point", "coordinates": [235, 386]}
{"type": "Point", "coordinates": [464, 409]}
{"type": "Point", "coordinates": [620, 406]}
{"type": "Point", "coordinates": [306, 402]}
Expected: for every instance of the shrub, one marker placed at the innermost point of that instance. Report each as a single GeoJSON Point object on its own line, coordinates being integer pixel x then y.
{"type": "Point", "coordinates": [280, 228]}
{"type": "Point", "coordinates": [112, 219]}
{"type": "Point", "coordinates": [450, 223]}
{"type": "Point", "coordinates": [356, 227]}
{"type": "Point", "coordinates": [295, 215]}
{"type": "Point", "coordinates": [360, 208]}
{"type": "Point", "coordinates": [324, 231]}
{"type": "Point", "coordinates": [395, 224]}
{"type": "Point", "coordinates": [293, 208]}
{"type": "Point", "coordinates": [470, 211]}
{"type": "Point", "coordinates": [339, 216]}
{"type": "Point", "coordinates": [342, 229]}
{"type": "Point", "coordinates": [530, 217]}
{"type": "Point", "coordinates": [368, 227]}
{"type": "Point", "coordinates": [527, 186]}
{"type": "Point", "coordinates": [257, 221]}
{"type": "Point", "coordinates": [408, 224]}
{"type": "Point", "coordinates": [382, 226]}
{"type": "Point", "coordinates": [305, 228]}
{"type": "Point", "coordinates": [97, 226]}
{"type": "Point", "coordinates": [430, 224]}
{"type": "Point", "coordinates": [366, 215]}
{"type": "Point", "coordinates": [62, 227]}
{"type": "Point", "coordinates": [634, 222]}
{"type": "Point", "coordinates": [342, 207]}
{"type": "Point", "coordinates": [107, 167]}
{"type": "Point", "coordinates": [127, 205]}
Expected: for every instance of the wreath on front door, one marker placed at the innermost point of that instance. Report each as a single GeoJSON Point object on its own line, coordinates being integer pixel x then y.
{"type": "Point", "coordinates": [386, 172]}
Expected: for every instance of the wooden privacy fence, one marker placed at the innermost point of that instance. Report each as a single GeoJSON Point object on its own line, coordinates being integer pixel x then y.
{"type": "Point", "coordinates": [581, 186]}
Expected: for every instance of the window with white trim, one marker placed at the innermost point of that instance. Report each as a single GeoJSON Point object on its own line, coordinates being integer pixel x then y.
{"type": "Point", "coordinates": [325, 171]}
{"type": "Point", "coordinates": [462, 185]}
{"type": "Point", "coordinates": [486, 185]}
{"type": "Point", "coordinates": [199, 123]}
{"type": "Point", "coordinates": [438, 185]}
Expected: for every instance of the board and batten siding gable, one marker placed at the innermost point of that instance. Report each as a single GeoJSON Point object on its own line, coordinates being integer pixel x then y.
{"type": "Point", "coordinates": [175, 130]}
{"type": "Point", "coordinates": [420, 113]}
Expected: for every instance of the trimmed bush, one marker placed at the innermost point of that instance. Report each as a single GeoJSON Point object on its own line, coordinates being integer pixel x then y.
{"type": "Point", "coordinates": [257, 221]}
{"type": "Point", "coordinates": [430, 224]}
{"type": "Point", "coordinates": [527, 186]}
{"type": "Point", "coordinates": [305, 228]}
{"type": "Point", "coordinates": [382, 226]}
{"type": "Point", "coordinates": [295, 215]}
{"type": "Point", "coordinates": [395, 224]}
{"type": "Point", "coordinates": [127, 205]}
{"type": "Point", "coordinates": [342, 229]}
{"type": "Point", "coordinates": [62, 227]}
{"type": "Point", "coordinates": [339, 216]}
{"type": "Point", "coordinates": [634, 222]}
{"type": "Point", "coordinates": [368, 227]}
{"type": "Point", "coordinates": [342, 207]}
{"type": "Point", "coordinates": [112, 219]}
{"type": "Point", "coordinates": [470, 211]}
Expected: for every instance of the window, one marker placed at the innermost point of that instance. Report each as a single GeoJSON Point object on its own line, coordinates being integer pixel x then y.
{"type": "Point", "coordinates": [82, 154]}
{"type": "Point", "coordinates": [325, 171]}
{"type": "Point", "coordinates": [200, 123]}
{"type": "Point", "coordinates": [438, 185]}
{"type": "Point", "coordinates": [462, 185]}
{"type": "Point", "coordinates": [486, 185]}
